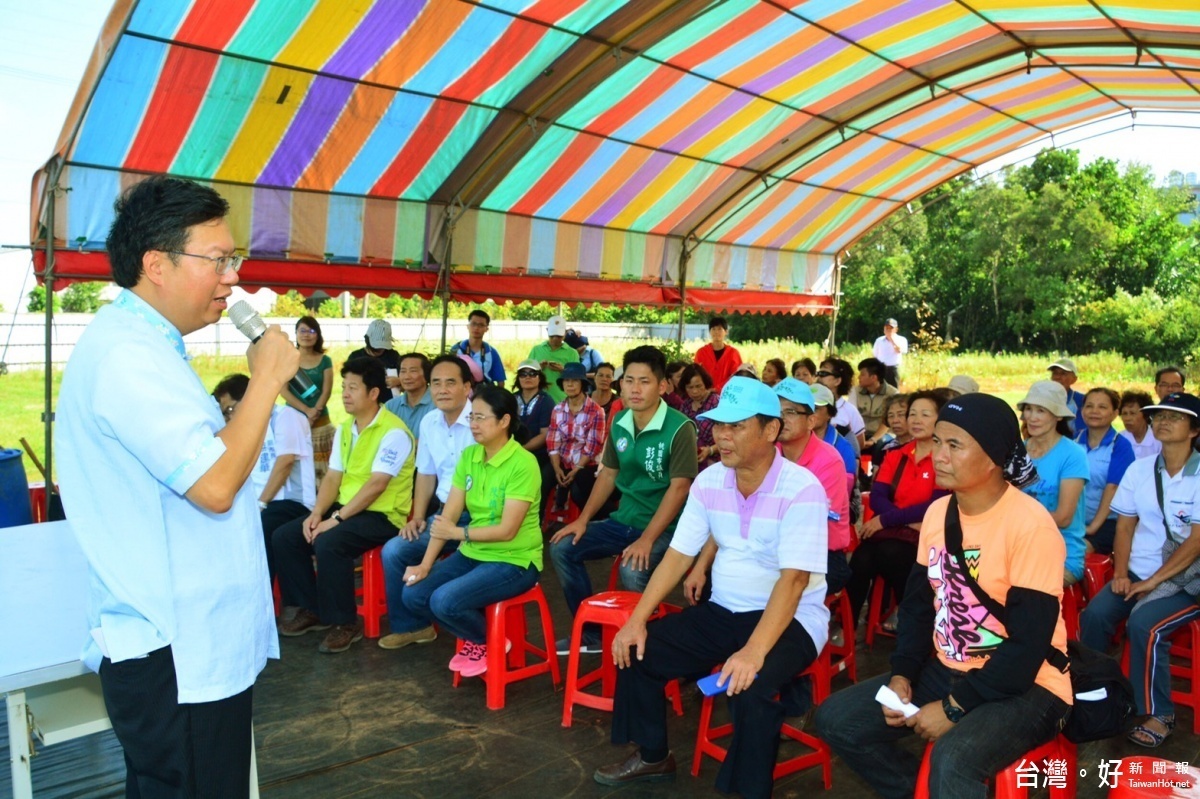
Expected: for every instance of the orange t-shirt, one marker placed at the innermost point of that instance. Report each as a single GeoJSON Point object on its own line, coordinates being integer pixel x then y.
{"type": "Point", "coordinates": [1013, 543]}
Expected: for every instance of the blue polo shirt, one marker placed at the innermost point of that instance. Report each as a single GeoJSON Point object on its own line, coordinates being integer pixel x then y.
{"type": "Point", "coordinates": [1106, 464]}
{"type": "Point", "coordinates": [136, 430]}
{"type": "Point", "coordinates": [844, 448]}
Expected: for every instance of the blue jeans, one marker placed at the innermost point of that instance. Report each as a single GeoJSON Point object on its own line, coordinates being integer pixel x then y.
{"type": "Point", "coordinates": [603, 539]}
{"type": "Point", "coordinates": [456, 592]}
{"type": "Point", "coordinates": [1149, 629]}
{"type": "Point", "coordinates": [1099, 620]}
{"type": "Point", "coordinates": [398, 554]}
{"type": "Point", "coordinates": [989, 738]}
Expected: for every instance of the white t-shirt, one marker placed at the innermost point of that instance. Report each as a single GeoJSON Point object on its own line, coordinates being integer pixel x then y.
{"type": "Point", "coordinates": [848, 416]}
{"type": "Point", "coordinates": [393, 452]}
{"type": "Point", "coordinates": [288, 433]}
{"type": "Point", "coordinates": [1149, 446]}
{"type": "Point", "coordinates": [884, 351]}
{"type": "Point", "coordinates": [439, 447]}
{"type": "Point", "coordinates": [1137, 496]}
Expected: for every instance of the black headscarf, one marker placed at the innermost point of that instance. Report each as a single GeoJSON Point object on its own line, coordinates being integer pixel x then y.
{"type": "Point", "coordinates": [993, 424]}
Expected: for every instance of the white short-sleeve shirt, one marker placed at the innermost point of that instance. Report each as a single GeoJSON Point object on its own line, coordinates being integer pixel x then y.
{"type": "Point", "coordinates": [1137, 496]}
{"type": "Point", "coordinates": [394, 449]}
{"type": "Point", "coordinates": [439, 446]}
{"type": "Point", "coordinates": [288, 434]}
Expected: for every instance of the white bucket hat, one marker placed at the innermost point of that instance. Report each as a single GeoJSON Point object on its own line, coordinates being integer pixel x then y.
{"type": "Point", "coordinates": [1049, 395]}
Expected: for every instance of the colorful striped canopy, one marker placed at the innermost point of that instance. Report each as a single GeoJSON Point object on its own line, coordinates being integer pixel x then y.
{"type": "Point", "coordinates": [716, 153]}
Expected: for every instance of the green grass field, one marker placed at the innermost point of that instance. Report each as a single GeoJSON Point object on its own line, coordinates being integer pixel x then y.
{"type": "Point", "coordinates": [1005, 375]}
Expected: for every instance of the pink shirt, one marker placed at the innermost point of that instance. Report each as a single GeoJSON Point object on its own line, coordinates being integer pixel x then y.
{"type": "Point", "coordinates": [827, 466]}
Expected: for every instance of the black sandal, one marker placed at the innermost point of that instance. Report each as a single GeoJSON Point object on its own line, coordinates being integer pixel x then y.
{"type": "Point", "coordinates": [1152, 738]}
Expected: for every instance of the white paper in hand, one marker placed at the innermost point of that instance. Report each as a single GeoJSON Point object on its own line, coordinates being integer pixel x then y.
{"type": "Point", "coordinates": [889, 699]}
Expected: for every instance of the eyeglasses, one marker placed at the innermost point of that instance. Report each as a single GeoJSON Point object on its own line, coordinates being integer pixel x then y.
{"type": "Point", "coordinates": [1168, 416]}
{"type": "Point", "coordinates": [227, 411]}
{"type": "Point", "coordinates": [1173, 387]}
{"type": "Point", "coordinates": [304, 331]}
{"type": "Point", "coordinates": [225, 263]}
{"type": "Point", "coordinates": [792, 413]}
{"type": "Point", "coordinates": [527, 373]}
{"type": "Point", "coordinates": [478, 417]}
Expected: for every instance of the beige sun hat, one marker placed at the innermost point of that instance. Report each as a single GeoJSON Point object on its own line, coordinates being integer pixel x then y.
{"type": "Point", "coordinates": [963, 384]}
{"type": "Point", "coordinates": [1049, 395]}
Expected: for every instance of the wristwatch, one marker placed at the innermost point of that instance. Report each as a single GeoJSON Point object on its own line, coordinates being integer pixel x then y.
{"type": "Point", "coordinates": [337, 516]}
{"type": "Point", "coordinates": [955, 714]}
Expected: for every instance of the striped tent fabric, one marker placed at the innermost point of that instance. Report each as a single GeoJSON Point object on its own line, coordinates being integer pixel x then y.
{"type": "Point", "coordinates": [717, 154]}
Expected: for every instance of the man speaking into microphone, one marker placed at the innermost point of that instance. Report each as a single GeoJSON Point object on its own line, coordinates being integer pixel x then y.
{"type": "Point", "coordinates": [155, 485]}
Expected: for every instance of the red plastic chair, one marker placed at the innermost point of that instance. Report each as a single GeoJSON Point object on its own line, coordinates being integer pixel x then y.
{"type": "Point", "coordinates": [877, 612]}
{"type": "Point", "coordinates": [1007, 782]}
{"type": "Point", "coordinates": [564, 516]}
{"type": "Point", "coordinates": [841, 658]}
{"type": "Point", "coordinates": [610, 609]}
{"type": "Point", "coordinates": [818, 754]}
{"type": "Point", "coordinates": [372, 594]}
{"type": "Point", "coordinates": [506, 621]}
{"type": "Point", "coordinates": [1183, 654]}
{"type": "Point", "coordinates": [1097, 573]}
{"type": "Point", "coordinates": [1073, 602]}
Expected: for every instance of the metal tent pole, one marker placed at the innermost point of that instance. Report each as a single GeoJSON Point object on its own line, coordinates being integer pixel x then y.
{"type": "Point", "coordinates": [837, 303]}
{"type": "Point", "coordinates": [685, 255]}
{"type": "Point", "coordinates": [48, 408]}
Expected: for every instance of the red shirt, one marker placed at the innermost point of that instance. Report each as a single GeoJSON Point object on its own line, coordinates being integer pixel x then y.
{"type": "Point", "coordinates": [914, 491]}
{"type": "Point", "coordinates": [720, 369]}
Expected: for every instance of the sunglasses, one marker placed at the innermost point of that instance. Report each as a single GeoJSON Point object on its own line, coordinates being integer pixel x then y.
{"type": "Point", "coordinates": [527, 373]}
{"type": "Point", "coordinates": [824, 373]}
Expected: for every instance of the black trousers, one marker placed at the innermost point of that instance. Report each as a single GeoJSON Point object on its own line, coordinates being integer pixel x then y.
{"type": "Point", "coordinates": [173, 750]}
{"type": "Point", "coordinates": [329, 591]}
{"type": "Point", "coordinates": [278, 513]}
{"type": "Point", "coordinates": [891, 376]}
{"type": "Point", "coordinates": [890, 559]}
{"type": "Point", "coordinates": [688, 645]}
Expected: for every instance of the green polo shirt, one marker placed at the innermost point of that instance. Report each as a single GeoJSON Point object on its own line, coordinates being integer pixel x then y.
{"type": "Point", "coordinates": [563, 355]}
{"type": "Point", "coordinates": [647, 460]}
{"type": "Point", "coordinates": [512, 473]}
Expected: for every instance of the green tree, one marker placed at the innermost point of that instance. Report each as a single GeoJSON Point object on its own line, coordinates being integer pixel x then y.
{"type": "Point", "coordinates": [82, 297]}
{"type": "Point", "coordinates": [37, 300]}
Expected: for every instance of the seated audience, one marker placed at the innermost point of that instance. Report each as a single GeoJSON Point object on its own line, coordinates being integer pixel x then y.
{"type": "Point", "coordinates": [1168, 380]}
{"type": "Point", "coordinates": [478, 350]}
{"type": "Point", "coordinates": [535, 407]}
{"type": "Point", "coordinates": [895, 413]}
{"type": "Point", "coordinates": [589, 357]}
{"type": "Point", "coordinates": [675, 396]}
{"type": "Point", "coordinates": [576, 436]}
{"type": "Point", "coordinates": [869, 398]}
{"type": "Point", "coordinates": [747, 370]}
{"type": "Point", "coordinates": [836, 375]}
{"type": "Point", "coordinates": [766, 620]}
{"type": "Point", "coordinates": [823, 429]}
{"type": "Point", "coordinates": [603, 394]}
{"type": "Point", "coordinates": [283, 478]}
{"type": "Point", "coordinates": [500, 554]}
{"type": "Point", "coordinates": [1155, 567]}
{"type": "Point", "coordinates": [902, 491]}
{"type": "Point", "coordinates": [701, 398]}
{"type": "Point", "coordinates": [1062, 467]}
{"type": "Point", "coordinates": [445, 435]}
{"type": "Point", "coordinates": [1137, 430]}
{"type": "Point", "coordinates": [364, 498]}
{"type": "Point", "coordinates": [1108, 457]}
{"type": "Point", "coordinates": [318, 367]}
{"type": "Point", "coordinates": [773, 371]}
{"type": "Point", "coordinates": [1063, 372]}
{"type": "Point", "coordinates": [415, 401]}
{"type": "Point", "coordinates": [805, 371]}
{"type": "Point", "coordinates": [973, 640]}
{"type": "Point", "coordinates": [650, 458]}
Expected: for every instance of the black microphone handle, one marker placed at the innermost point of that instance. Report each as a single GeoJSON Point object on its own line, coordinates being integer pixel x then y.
{"type": "Point", "coordinates": [300, 385]}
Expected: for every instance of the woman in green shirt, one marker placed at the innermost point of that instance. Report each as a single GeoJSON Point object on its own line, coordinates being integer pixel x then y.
{"type": "Point", "coordinates": [319, 368]}
{"type": "Point", "coordinates": [498, 481]}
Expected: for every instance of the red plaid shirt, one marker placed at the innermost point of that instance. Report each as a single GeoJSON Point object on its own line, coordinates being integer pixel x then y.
{"type": "Point", "coordinates": [575, 436]}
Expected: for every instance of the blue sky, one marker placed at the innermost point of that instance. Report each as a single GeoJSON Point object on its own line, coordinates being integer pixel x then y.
{"type": "Point", "coordinates": [46, 46]}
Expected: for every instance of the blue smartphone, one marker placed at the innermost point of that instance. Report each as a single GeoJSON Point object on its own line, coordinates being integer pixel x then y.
{"type": "Point", "coordinates": [708, 685]}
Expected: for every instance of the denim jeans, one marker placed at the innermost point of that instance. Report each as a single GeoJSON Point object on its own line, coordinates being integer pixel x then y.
{"type": "Point", "coordinates": [456, 592]}
{"type": "Point", "coordinates": [397, 555]}
{"type": "Point", "coordinates": [989, 738]}
{"type": "Point", "coordinates": [1149, 630]}
{"type": "Point", "coordinates": [604, 539]}
{"type": "Point", "coordinates": [1099, 620]}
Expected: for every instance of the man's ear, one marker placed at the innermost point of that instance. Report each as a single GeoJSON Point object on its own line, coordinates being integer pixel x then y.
{"type": "Point", "coordinates": [154, 264]}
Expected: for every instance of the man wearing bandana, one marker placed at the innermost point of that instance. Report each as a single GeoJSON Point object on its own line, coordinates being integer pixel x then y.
{"type": "Point", "coordinates": [985, 693]}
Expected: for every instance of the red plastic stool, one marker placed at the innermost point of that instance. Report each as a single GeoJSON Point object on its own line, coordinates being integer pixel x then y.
{"type": "Point", "coordinates": [1072, 604]}
{"type": "Point", "coordinates": [877, 613]}
{"type": "Point", "coordinates": [841, 658]}
{"type": "Point", "coordinates": [506, 620]}
{"type": "Point", "coordinates": [564, 516]}
{"type": "Point", "coordinates": [610, 609]}
{"type": "Point", "coordinates": [1008, 782]}
{"type": "Point", "coordinates": [1146, 772]}
{"type": "Point", "coordinates": [707, 735]}
{"type": "Point", "coordinates": [277, 596]}
{"type": "Point", "coordinates": [373, 594]}
{"type": "Point", "coordinates": [1097, 573]}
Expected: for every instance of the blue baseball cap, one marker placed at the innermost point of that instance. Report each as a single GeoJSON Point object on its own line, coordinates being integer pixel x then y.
{"type": "Point", "coordinates": [796, 391]}
{"type": "Point", "coordinates": [742, 398]}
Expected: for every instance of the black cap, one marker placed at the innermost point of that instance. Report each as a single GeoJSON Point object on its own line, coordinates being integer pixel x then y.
{"type": "Point", "coordinates": [1179, 401]}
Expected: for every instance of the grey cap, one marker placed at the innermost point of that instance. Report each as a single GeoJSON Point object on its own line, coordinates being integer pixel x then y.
{"type": "Point", "coordinates": [822, 395]}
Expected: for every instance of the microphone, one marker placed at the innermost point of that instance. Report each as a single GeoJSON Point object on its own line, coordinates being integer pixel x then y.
{"type": "Point", "coordinates": [247, 320]}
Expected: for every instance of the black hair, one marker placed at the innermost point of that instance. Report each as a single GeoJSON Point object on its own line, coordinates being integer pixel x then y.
{"type": "Point", "coordinates": [479, 312]}
{"type": "Point", "coordinates": [463, 368]}
{"type": "Point", "coordinates": [842, 371]}
{"type": "Point", "coordinates": [426, 366]}
{"type": "Point", "coordinates": [935, 396]}
{"type": "Point", "coordinates": [1113, 397]}
{"type": "Point", "coordinates": [891, 400]}
{"type": "Point", "coordinates": [872, 366]}
{"type": "Point", "coordinates": [157, 214]}
{"type": "Point", "coordinates": [233, 385]}
{"type": "Point", "coordinates": [650, 356]}
{"type": "Point", "coordinates": [503, 404]}
{"type": "Point", "coordinates": [807, 363]}
{"type": "Point", "coordinates": [718, 321]}
{"type": "Point", "coordinates": [312, 323]}
{"type": "Point", "coordinates": [542, 382]}
{"type": "Point", "coordinates": [778, 365]}
{"type": "Point", "coordinates": [603, 364]}
{"type": "Point", "coordinates": [695, 370]}
{"type": "Point", "coordinates": [1167, 370]}
{"type": "Point", "coordinates": [763, 419]}
{"type": "Point", "coordinates": [1141, 398]}
{"type": "Point", "coordinates": [372, 373]}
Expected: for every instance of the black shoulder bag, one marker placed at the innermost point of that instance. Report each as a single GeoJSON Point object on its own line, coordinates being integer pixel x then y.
{"type": "Point", "coordinates": [1103, 694]}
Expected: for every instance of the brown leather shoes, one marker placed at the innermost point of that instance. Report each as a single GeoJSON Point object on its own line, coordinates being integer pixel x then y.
{"type": "Point", "coordinates": [340, 637]}
{"type": "Point", "coordinates": [634, 769]}
{"type": "Point", "coordinates": [302, 622]}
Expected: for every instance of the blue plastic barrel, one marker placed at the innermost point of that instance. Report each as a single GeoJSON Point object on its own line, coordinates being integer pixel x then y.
{"type": "Point", "coordinates": [14, 490]}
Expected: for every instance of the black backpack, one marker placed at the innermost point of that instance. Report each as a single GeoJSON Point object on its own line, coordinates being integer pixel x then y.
{"type": "Point", "coordinates": [1103, 694]}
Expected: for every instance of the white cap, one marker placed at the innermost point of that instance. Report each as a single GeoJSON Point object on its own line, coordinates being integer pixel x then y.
{"type": "Point", "coordinates": [379, 334]}
{"type": "Point", "coordinates": [556, 326]}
